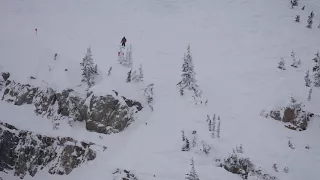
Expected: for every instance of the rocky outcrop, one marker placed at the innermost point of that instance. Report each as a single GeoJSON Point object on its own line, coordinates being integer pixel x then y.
{"type": "Point", "coordinates": [122, 174]}
{"type": "Point", "coordinates": [25, 152]}
{"type": "Point", "coordinates": [102, 114]}
{"type": "Point", "coordinates": [244, 168]}
{"type": "Point", "coordinates": [293, 115]}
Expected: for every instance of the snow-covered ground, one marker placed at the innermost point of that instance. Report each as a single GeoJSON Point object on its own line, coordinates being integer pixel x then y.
{"type": "Point", "coordinates": [236, 46]}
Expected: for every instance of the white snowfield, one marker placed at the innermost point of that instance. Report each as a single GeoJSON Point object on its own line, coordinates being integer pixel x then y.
{"type": "Point", "coordinates": [236, 46]}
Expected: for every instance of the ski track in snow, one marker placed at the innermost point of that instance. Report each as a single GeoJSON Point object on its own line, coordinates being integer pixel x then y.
{"type": "Point", "coordinates": [236, 46]}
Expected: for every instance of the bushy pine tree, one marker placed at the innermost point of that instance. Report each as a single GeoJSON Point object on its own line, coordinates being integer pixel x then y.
{"type": "Point", "coordinates": [192, 174]}
{"type": "Point", "coordinates": [188, 75]}
{"type": "Point", "coordinates": [307, 79]}
{"type": "Point", "coordinates": [186, 146]}
{"type": "Point", "coordinates": [89, 69]}
{"type": "Point", "coordinates": [310, 20]}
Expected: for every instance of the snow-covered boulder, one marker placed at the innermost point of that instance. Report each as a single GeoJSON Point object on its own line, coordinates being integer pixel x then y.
{"type": "Point", "coordinates": [24, 152]}
{"type": "Point", "coordinates": [103, 114]}
{"type": "Point", "coordinates": [294, 115]}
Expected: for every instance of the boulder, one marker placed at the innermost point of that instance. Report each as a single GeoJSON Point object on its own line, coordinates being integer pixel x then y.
{"type": "Point", "coordinates": [294, 115]}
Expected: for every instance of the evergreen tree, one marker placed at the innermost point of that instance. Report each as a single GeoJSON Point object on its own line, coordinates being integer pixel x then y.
{"type": "Point", "coordinates": [310, 20]}
{"type": "Point", "coordinates": [89, 69]}
{"type": "Point", "coordinates": [218, 127]}
{"type": "Point", "coordinates": [125, 60]}
{"type": "Point", "coordinates": [188, 75]}
{"type": "Point", "coordinates": [286, 169]}
{"type": "Point", "coordinates": [186, 146]}
{"type": "Point", "coordinates": [309, 95]}
{"type": "Point", "coordinates": [307, 79]}
{"type": "Point", "coordinates": [148, 93]}
{"type": "Point", "coordinates": [129, 61]}
{"type": "Point", "coordinates": [297, 18]}
{"type": "Point", "coordinates": [137, 77]}
{"type": "Point", "coordinates": [205, 148]}
{"type": "Point", "coordinates": [141, 73]}
{"type": "Point", "coordinates": [303, 8]}
{"type": "Point", "coordinates": [316, 70]}
{"type": "Point", "coordinates": [295, 62]}
{"type": "Point", "coordinates": [192, 175]}
{"type": "Point", "coordinates": [129, 76]}
{"type": "Point", "coordinates": [194, 141]}
{"type": "Point", "coordinates": [183, 137]}
{"type": "Point", "coordinates": [275, 168]}
{"type": "Point", "coordinates": [210, 125]}
{"type": "Point", "coordinates": [213, 126]}
{"type": "Point", "coordinates": [281, 64]}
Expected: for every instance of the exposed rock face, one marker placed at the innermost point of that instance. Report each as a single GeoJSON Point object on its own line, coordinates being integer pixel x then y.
{"type": "Point", "coordinates": [102, 114]}
{"type": "Point", "coordinates": [24, 152]}
{"type": "Point", "coordinates": [294, 115]}
{"type": "Point", "coordinates": [244, 168]}
{"type": "Point", "coordinates": [122, 174]}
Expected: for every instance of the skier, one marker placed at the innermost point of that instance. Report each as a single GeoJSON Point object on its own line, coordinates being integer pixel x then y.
{"type": "Point", "coordinates": [123, 41]}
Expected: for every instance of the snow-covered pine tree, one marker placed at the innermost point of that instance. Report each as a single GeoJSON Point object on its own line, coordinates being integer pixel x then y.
{"type": "Point", "coordinates": [286, 169]}
{"type": "Point", "coordinates": [148, 93]}
{"type": "Point", "coordinates": [109, 71]}
{"type": "Point", "coordinates": [310, 20]}
{"type": "Point", "coordinates": [297, 18]}
{"type": "Point", "coordinates": [218, 127]}
{"type": "Point", "coordinates": [275, 168]}
{"type": "Point", "coordinates": [210, 125]}
{"type": "Point", "coordinates": [141, 73]}
{"type": "Point", "coordinates": [125, 59]}
{"type": "Point", "coordinates": [213, 126]}
{"type": "Point", "coordinates": [295, 62]}
{"type": "Point", "coordinates": [307, 79]}
{"type": "Point", "coordinates": [186, 146]}
{"type": "Point", "coordinates": [281, 64]}
{"type": "Point", "coordinates": [188, 75]}
{"type": "Point", "coordinates": [183, 136]}
{"type": "Point", "coordinates": [309, 95]}
{"type": "Point", "coordinates": [194, 141]}
{"type": "Point", "coordinates": [205, 148]}
{"type": "Point", "coordinates": [192, 174]}
{"type": "Point", "coordinates": [129, 61]}
{"type": "Point", "coordinates": [89, 69]}
{"type": "Point", "coordinates": [129, 76]}
{"type": "Point", "coordinates": [137, 76]}
{"type": "Point", "coordinates": [316, 70]}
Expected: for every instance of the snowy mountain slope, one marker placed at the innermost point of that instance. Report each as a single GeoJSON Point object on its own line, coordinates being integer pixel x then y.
{"type": "Point", "coordinates": [236, 46]}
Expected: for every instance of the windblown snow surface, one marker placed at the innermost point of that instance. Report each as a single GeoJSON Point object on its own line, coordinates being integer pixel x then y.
{"type": "Point", "coordinates": [236, 46]}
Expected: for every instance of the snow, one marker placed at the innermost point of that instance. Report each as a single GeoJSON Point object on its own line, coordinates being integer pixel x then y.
{"type": "Point", "coordinates": [236, 47]}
